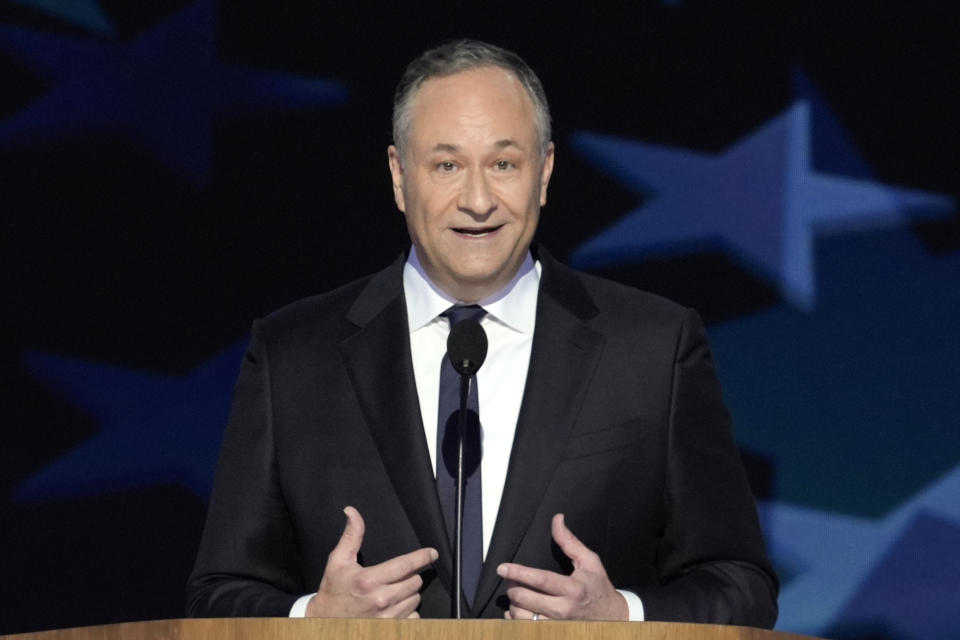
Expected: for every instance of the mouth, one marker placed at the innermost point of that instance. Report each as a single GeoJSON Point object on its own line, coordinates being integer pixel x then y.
{"type": "Point", "coordinates": [477, 232]}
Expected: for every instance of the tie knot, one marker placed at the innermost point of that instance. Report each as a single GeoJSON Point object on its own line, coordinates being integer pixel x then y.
{"type": "Point", "coordinates": [459, 313]}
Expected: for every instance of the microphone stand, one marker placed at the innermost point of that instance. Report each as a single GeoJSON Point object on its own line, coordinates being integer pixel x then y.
{"type": "Point", "coordinates": [467, 349]}
{"type": "Point", "coordinates": [458, 526]}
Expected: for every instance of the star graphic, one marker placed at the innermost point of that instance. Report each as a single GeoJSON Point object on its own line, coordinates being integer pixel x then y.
{"type": "Point", "coordinates": [914, 590]}
{"type": "Point", "coordinates": [84, 13]}
{"type": "Point", "coordinates": [154, 429]}
{"type": "Point", "coordinates": [834, 556]}
{"type": "Point", "coordinates": [829, 394]}
{"type": "Point", "coordinates": [855, 403]}
{"type": "Point", "coordinates": [832, 149]}
{"type": "Point", "coordinates": [163, 89]}
{"type": "Point", "coordinates": [760, 200]}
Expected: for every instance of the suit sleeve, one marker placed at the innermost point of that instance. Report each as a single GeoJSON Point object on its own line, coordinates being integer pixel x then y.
{"type": "Point", "coordinates": [248, 563]}
{"type": "Point", "coordinates": [711, 559]}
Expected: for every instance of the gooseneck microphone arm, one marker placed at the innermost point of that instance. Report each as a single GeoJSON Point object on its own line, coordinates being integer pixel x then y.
{"type": "Point", "coordinates": [467, 349]}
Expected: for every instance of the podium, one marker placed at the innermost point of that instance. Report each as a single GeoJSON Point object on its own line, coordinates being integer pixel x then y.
{"type": "Point", "coordinates": [367, 629]}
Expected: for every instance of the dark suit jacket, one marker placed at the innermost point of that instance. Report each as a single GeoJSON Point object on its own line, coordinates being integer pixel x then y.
{"type": "Point", "coordinates": [622, 428]}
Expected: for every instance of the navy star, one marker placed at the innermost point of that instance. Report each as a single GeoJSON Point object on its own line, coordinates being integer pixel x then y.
{"type": "Point", "coordinates": [913, 591]}
{"type": "Point", "coordinates": [154, 429]}
{"type": "Point", "coordinates": [162, 90]}
{"type": "Point", "coordinates": [760, 200]}
{"type": "Point", "coordinates": [832, 150]}
{"type": "Point", "coordinates": [831, 555]}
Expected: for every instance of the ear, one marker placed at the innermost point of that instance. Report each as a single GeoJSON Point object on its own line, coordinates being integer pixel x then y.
{"type": "Point", "coordinates": [396, 175]}
{"type": "Point", "coordinates": [545, 173]}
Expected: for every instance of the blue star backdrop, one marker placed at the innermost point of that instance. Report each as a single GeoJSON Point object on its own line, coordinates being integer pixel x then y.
{"type": "Point", "coordinates": [172, 170]}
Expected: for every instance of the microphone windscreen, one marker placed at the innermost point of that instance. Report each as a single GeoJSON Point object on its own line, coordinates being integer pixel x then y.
{"type": "Point", "coordinates": [467, 346]}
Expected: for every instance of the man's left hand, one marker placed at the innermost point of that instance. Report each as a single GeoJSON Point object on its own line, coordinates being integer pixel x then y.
{"type": "Point", "coordinates": [586, 594]}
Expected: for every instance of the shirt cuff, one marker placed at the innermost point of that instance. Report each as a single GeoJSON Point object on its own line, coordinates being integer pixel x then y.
{"type": "Point", "coordinates": [634, 605]}
{"type": "Point", "coordinates": [299, 608]}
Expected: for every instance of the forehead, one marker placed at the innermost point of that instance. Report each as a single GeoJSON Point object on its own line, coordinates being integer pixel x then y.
{"type": "Point", "coordinates": [486, 100]}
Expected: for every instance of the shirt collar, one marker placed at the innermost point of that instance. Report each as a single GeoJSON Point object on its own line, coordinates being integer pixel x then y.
{"type": "Point", "coordinates": [514, 306]}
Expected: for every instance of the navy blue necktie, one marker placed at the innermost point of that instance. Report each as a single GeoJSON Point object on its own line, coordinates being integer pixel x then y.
{"type": "Point", "coordinates": [447, 432]}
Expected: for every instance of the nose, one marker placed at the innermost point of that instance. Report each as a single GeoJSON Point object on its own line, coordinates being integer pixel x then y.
{"type": "Point", "coordinates": [477, 198]}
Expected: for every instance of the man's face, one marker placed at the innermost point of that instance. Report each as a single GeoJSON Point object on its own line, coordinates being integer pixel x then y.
{"type": "Point", "coordinates": [472, 179]}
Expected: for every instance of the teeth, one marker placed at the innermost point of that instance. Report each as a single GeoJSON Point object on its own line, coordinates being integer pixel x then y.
{"type": "Point", "coordinates": [477, 233]}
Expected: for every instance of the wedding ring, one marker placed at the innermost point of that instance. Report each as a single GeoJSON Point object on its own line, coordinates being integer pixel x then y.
{"type": "Point", "coordinates": [536, 616]}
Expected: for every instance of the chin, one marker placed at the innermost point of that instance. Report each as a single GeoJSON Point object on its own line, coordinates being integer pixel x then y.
{"type": "Point", "coordinates": [475, 274]}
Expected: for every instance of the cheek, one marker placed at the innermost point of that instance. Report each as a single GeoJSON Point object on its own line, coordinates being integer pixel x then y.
{"type": "Point", "coordinates": [421, 215]}
{"type": "Point", "coordinates": [435, 204]}
{"type": "Point", "coordinates": [524, 203]}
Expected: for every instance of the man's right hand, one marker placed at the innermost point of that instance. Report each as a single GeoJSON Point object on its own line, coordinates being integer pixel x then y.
{"type": "Point", "coordinates": [390, 589]}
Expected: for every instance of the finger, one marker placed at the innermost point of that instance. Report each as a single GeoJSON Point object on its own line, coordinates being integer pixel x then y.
{"type": "Point", "coordinates": [413, 616]}
{"type": "Point", "coordinates": [570, 544]}
{"type": "Point", "coordinates": [506, 615]}
{"type": "Point", "coordinates": [540, 580]}
{"type": "Point", "coordinates": [519, 613]}
{"type": "Point", "coordinates": [386, 596]}
{"type": "Point", "coordinates": [402, 567]}
{"type": "Point", "coordinates": [352, 537]}
{"type": "Point", "coordinates": [524, 602]}
{"type": "Point", "coordinates": [404, 608]}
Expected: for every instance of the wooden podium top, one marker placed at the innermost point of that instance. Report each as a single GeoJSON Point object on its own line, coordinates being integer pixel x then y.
{"type": "Point", "coordinates": [330, 629]}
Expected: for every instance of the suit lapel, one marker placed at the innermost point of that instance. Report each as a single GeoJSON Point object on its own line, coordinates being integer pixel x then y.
{"type": "Point", "coordinates": [564, 355]}
{"type": "Point", "coordinates": [378, 360]}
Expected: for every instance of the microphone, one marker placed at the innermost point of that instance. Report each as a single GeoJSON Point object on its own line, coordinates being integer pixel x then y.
{"type": "Point", "coordinates": [467, 349]}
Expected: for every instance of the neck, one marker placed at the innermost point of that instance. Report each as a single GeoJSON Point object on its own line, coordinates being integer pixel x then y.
{"type": "Point", "coordinates": [465, 292]}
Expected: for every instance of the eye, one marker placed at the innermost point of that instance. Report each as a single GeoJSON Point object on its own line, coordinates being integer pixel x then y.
{"type": "Point", "coordinates": [503, 165]}
{"type": "Point", "coordinates": [446, 166]}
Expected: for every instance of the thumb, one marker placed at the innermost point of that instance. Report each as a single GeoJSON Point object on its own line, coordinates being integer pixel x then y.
{"type": "Point", "coordinates": [352, 537]}
{"type": "Point", "coordinates": [570, 544]}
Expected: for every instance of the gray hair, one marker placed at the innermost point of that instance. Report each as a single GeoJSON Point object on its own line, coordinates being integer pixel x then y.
{"type": "Point", "coordinates": [462, 55]}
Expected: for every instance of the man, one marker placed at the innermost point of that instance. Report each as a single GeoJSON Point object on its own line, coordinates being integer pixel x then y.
{"type": "Point", "coordinates": [611, 486]}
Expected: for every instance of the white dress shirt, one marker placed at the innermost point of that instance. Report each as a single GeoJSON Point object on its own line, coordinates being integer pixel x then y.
{"type": "Point", "coordinates": [509, 324]}
{"type": "Point", "coordinates": [511, 315]}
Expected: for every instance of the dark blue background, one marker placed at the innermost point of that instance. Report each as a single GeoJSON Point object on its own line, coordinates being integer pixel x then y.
{"type": "Point", "coordinates": [170, 171]}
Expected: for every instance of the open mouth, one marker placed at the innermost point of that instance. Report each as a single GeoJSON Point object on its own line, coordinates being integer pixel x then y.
{"type": "Point", "coordinates": [477, 232]}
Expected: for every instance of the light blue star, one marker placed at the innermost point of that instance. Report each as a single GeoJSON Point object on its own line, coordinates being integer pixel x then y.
{"type": "Point", "coordinates": [831, 555]}
{"type": "Point", "coordinates": [856, 404]}
{"type": "Point", "coordinates": [759, 200]}
{"type": "Point", "coordinates": [154, 429]}
{"type": "Point", "coordinates": [85, 13]}
{"type": "Point", "coordinates": [162, 89]}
